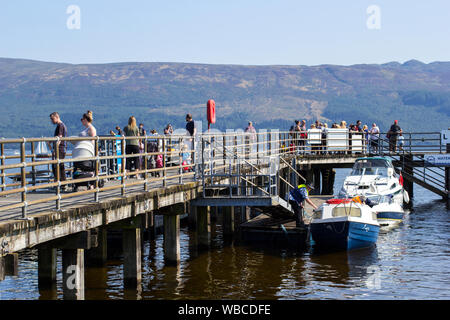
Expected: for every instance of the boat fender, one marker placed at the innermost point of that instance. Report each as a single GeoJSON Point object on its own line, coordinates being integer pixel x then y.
{"type": "Point", "coordinates": [405, 196]}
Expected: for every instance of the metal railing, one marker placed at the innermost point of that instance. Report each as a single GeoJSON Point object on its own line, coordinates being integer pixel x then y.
{"type": "Point", "coordinates": [241, 154]}
{"type": "Point", "coordinates": [414, 164]}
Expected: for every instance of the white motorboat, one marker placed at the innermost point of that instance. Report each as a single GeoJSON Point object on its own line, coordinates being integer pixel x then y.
{"type": "Point", "coordinates": [389, 212]}
{"type": "Point", "coordinates": [374, 177]}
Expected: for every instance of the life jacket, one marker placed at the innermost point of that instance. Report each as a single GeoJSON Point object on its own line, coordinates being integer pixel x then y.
{"type": "Point", "coordinates": [357, 199]}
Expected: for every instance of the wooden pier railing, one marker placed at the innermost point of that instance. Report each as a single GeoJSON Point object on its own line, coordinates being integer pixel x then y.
{"type": "Point", "coordinates": [23, 171]}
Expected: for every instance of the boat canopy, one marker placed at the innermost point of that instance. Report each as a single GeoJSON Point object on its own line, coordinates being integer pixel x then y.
{"type": "Point", "coordinates": [371, 166]}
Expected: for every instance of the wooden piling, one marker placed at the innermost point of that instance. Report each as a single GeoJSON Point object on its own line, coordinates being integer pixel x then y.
{"type": "Point", "coordinates": [447, 178]}
{"type": "Point", "coordinates": [97, 256]}
{"type": "Point", "coordinates": [316, 173]}
{"type": "Point", "coordinates": [73, 274]}
{"type": "Point", "coordinates": [2, 268]}
{"type": "Point", "coordinates": [132, 257]}
{"type": "Point", "coordinates": [228, 221]}
{"type": "Point", "coordinates": [407, 184]}
{"type": "Point", "coordinates": [203, 226]}
{"type": "Point", "coordinates": [192, 217]}
{"type": "Point", "coordinates": [172, 238]}
{"type": "Point", "coordinates": [213, 213]}
{"type": "Point", "coordinates": [12, 264]}
{"type": "Point", "coordinates": [328, 177]}
{"type": "Point", "coordinates": [46, 268]}
{"type": "Point", "coordinates": [447, 183]}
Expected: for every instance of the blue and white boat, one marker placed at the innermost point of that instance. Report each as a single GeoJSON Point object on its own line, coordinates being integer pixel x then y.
{"type": "Point", "coordinates": [344, 224]}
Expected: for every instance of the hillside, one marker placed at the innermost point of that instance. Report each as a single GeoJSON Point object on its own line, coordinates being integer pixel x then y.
{"type": "Point", "coordinates": [416, 94]}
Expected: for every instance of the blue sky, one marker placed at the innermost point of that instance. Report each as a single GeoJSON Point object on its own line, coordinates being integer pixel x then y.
{"type": "Point", "coordinates": [263, 32]}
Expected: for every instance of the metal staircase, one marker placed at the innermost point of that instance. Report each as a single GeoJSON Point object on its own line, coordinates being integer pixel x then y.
{"type": "Point", "coordinates": [414, 168]}
{"type": "Point", "coordinates": [241, 179]}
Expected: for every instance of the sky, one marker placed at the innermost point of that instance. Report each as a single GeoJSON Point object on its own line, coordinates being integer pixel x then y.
{"type": "Point", "coordinates": [246, 32]}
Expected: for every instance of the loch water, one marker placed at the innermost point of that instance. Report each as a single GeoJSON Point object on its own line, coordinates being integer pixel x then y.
{"type": "Point", "coordinates": [408, 262]}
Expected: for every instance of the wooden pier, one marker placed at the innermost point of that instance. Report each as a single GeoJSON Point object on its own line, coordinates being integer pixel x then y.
{"type": "Point", "coordinates": [233, 172]}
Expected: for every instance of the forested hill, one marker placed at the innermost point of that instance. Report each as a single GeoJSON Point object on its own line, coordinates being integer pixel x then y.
{"type": "Point", "coordinates": [416, 94]}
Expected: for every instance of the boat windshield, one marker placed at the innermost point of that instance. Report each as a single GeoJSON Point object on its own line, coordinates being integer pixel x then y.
{"type": "Point", "coordinates": [370, 167]}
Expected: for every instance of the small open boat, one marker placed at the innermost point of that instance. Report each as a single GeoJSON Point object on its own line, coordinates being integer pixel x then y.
{"type": "Point", "coordinates": [344, 224]}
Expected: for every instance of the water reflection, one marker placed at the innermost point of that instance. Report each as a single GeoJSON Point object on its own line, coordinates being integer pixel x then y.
{"type": "Point", "coordinates": [343, 267]}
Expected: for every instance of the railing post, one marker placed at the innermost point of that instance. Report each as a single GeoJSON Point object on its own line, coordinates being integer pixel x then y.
{"type": "Point", "coordinates": [24, 179]}
{"type": "Point", "coordinates": [164, 161]}
{"type": "Point", "coordinates": [410, 142]}
{"type": "Point", "coordinates": [180, 157]}
{"type": "Point", "coordinates": [33, 168]}
{"type": "Point", "coordinates": [203, 166]}
{"type": "Point", "coordinates": [122, 167]}
{"type": "Point", "coordinates": [2, 162]}
{"type": "Point", "coordinates": [145, 163]}
{"type": "Point", "coordinates": [58, 176]}
{"type": "Point", "coordinates": [257, 148]}
{"type": "Point", "coordinates": [96, 169]}
{"type": "Point", "coordinates": [224, 145]}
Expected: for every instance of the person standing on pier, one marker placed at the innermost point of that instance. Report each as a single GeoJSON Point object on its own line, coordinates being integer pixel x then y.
{"type": "Point", "coordinates": [60, 131]}
{"type": "Point", "coordinates": [393, 133]}
{"type": "Point", "coordinates": [297, 198]}
{"type": "Point", "coordinates": [374, 135]}
{"type": "Point", "coordinates": [132, 145]}
{"type": "Point", "coordinates": [250, 139]}
{"type": "Point", "coordinates": [192, 130]}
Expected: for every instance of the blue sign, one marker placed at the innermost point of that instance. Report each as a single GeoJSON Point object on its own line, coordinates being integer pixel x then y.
{"type": "Point", "coordinates": [437, 159]}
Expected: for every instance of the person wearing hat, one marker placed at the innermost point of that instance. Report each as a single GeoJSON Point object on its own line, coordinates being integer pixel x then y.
{"type": "Point", "coordinates": [297, 198]}
{"type": "Point", "coordinates": [393, 133]}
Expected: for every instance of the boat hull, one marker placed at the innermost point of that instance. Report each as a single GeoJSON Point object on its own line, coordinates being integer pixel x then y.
{"type": "Point", "coordinates": [388, 218]}
{"type": "Point", "coordinates": [345, 235]}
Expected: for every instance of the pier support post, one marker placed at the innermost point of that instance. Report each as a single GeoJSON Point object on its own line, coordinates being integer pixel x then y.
{"type": "Point", "coordinates": [73, 247]}
{"type": "Point", "coordinates": [73, 274]}
{"type": "Point", "coordinates": [97, 256]}
{"type": "Point", "coordinates": [245, 214]}
{"type": "Point", "coordinates": [2, 268]}
{"type": "Point", "coordinates": [46, 268]}
{"type": "Point", "coordinates": [203, 226]}
{"type": "Point", "coordinates": [12, 264]}
{"type": "Point", "coordinates": [132, 250]}
{"type": "Point", "coordinates": [214, 211]}
{"type": "Point", "coordinates": [407, 184]}
{"type": "Point", "coordinates": [447, 178]}
{"type": "Point", "coordinates": [316, 181]}
{"type": "Point", "coordinates": [447, 183]}
{"type": "Point", "coordinates": [309, 175]}
{"type": "Point", "coordinates": [328, 176]}
{"type": "Point", "coordinates": [192, 217]}
{"type": "Point", "coordinates": [132, 257]}
{"type": "Point", "coordinates": [151, 229]}
{"type": "Point", "coordinates": [172, 238]}
{"type": "Point", "coordinates": [171, 225]}
{"type": "Point", "coordinates": [228, 221]}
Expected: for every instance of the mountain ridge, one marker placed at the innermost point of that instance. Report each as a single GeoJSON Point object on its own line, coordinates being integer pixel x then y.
{"type": "Point", "coordinates": [270, 95]}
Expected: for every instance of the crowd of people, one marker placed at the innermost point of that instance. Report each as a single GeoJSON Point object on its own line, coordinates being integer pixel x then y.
{"type": "Point", "coordinates": [136, 146]}
{"type": "Point", "coordinates": [133, 146]}
{"type": "Point", "coordinates": [370, 136]}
